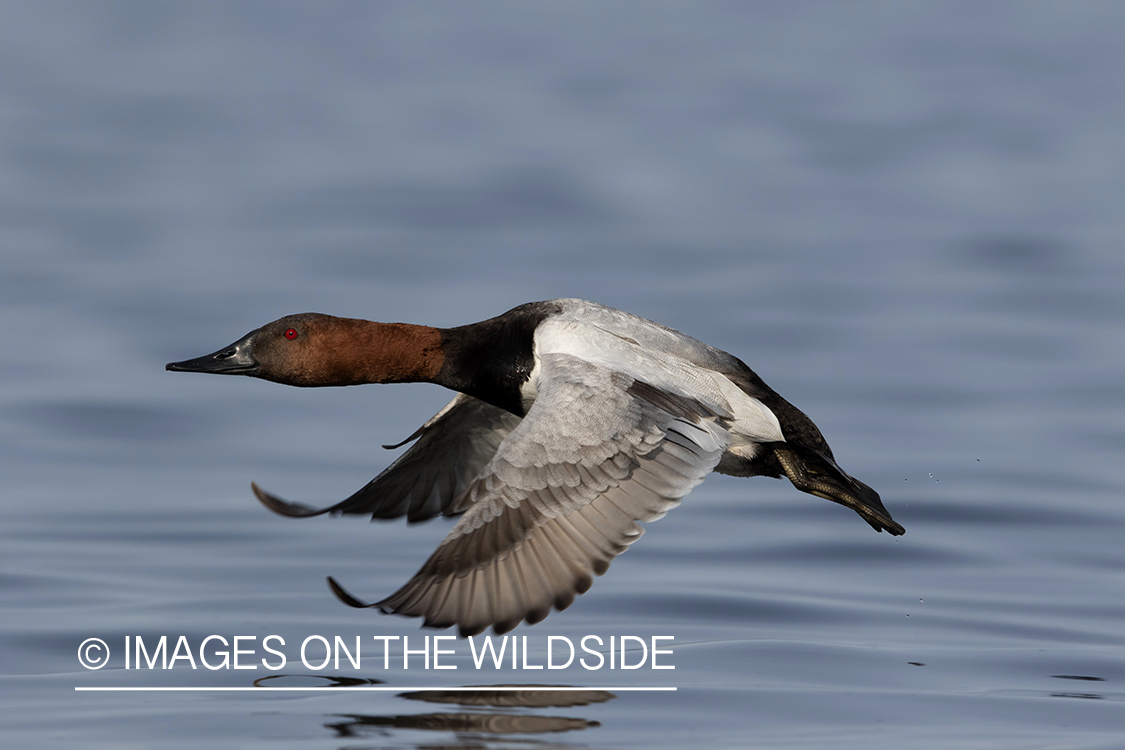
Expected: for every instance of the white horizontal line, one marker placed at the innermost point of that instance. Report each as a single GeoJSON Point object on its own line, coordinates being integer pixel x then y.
{"type": "Point", "coordinates": [379, 688]}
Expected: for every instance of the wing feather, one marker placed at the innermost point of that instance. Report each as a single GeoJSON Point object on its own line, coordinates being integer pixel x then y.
{"type": "Point", "coordinates": [562, 497]}
{"type": "Point", "coordinates": [451, 449]}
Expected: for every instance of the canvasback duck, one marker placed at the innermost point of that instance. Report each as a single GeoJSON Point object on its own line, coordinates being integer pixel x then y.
{"type": "Point", "coordinates": [573, 421]}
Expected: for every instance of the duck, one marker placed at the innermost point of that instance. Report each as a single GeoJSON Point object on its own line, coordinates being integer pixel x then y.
{"type": "Point", "coordinates": [572, 424]}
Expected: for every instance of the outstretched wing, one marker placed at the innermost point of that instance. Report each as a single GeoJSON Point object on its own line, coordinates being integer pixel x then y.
{"type": "Point", "coordinates": [451, 449]}
{"type": "Point", "coordinates": [597, 452]}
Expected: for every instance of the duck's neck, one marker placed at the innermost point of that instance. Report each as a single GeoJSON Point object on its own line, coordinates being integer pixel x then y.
{"type": "Point", "coordinates": [490, 360]}
{"type": "Point", "coordinates": [367, 352]}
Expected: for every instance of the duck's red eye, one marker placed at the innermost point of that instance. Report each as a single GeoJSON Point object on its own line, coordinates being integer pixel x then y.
{"type": "Point", "coordinates": [291, 333]}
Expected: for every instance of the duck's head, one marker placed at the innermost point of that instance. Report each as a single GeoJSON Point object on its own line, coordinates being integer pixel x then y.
{"type": "Point", "coordinates": [311, 349]}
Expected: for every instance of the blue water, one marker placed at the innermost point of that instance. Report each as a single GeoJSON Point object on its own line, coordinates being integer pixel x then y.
{"type": "Point", "coordinates": [907, 219]}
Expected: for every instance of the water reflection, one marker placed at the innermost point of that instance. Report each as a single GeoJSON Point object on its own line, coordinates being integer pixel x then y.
{"type": "Point", "coordinates": [1079, 678]}
{"type": "Point", "coordinates": [356, 725]}
{"type": "Point", "coordinates": [536, 696]}
{"type": "Point", "coordinates": [471, 729]}
{"type": "Point", "coordinates": [313, 680]}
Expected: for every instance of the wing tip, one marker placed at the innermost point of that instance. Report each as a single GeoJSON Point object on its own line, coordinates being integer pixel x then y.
{"type": "Point", "coordinates": [284, 507]}
{"type": "Point", "coordinates": [345, 597]}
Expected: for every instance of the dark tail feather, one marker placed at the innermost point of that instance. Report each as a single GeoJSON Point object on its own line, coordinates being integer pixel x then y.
{"type": "Point", "coordinates": [819, 475]}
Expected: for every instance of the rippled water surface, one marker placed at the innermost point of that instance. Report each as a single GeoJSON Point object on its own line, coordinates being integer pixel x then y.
{"type": "Point", "coordinates": [907, 220]}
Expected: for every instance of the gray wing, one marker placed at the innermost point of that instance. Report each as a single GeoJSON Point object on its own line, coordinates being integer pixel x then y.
{"type": "Point", "coordinates": [451, 449]}
{"type": "Point", "coordinates": [597, 452]}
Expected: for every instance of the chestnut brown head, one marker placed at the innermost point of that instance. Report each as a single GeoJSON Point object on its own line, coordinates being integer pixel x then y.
{"type": "Point", "coordinates": [311, 349]}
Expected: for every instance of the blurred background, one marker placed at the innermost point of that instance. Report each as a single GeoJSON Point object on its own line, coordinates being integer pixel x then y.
{"type": "Point", "coordinates": [906, 217]}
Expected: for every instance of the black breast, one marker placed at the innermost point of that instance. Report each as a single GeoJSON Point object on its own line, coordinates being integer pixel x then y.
{"type": "Point", "coordinates": [490, 360]}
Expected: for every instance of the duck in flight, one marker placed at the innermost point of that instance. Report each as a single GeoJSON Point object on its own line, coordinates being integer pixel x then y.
{"type": "Point", "coordinates": [572, 422]}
